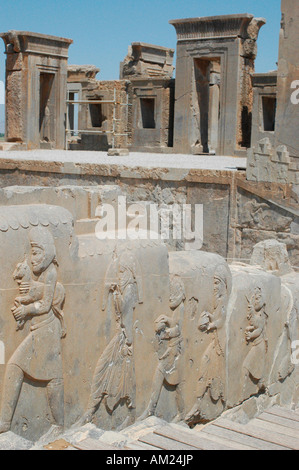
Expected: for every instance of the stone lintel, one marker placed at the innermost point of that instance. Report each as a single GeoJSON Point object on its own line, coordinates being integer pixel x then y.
{"type": "Point", "coordinates": [264, 79]}
{"type": "Point", "coordinates": [214, 26]}
{"type": "Point", "coordinates": [152, 81]}
{"type": "Point", "coordinates": [82, 72]}
{"type": "Point", "coordinates": [152, 53]}
{"type": "Point", "coordinates": [35, 43]}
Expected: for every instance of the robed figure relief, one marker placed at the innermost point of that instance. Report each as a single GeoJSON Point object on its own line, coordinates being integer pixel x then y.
{"type": "Point", "coordinates": [38, 357]}
{"type": "Point", "coordinates": [212, 380]}
{"type": "Point", "coordinates": [114, 377]}
{"type": "Point", "coordinates": [169, 347]}
{"type": "Point", "coordinates": [256, 339]}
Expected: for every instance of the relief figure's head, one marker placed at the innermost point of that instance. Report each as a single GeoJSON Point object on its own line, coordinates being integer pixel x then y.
{"type": "Point", "coordinates": [258, 299]}
{"type": "Point", "coordinates": [177, 292]}
{"type": "Point", "coordinates": [43, 251]}
{"type": "Point", "coordinates": [221, 282]}
{"type": "Point", "coordinates": [126, 271]}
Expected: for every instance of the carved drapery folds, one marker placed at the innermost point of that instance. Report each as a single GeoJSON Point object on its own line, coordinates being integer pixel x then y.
{"type": "Point", "coordinates": [39, 355]}
{"type": "Point", "coordinates": [182, 335]}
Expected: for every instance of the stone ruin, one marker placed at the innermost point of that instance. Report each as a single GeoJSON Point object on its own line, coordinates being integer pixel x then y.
{"type": "Point", "coordinates": [80, 316]}
{"type": "Point", "coordinates": [217, 324]}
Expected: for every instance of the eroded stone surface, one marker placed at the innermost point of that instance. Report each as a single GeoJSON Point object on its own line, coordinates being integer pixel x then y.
{"type": "Point", "coordinates": [99, 335]}
{"type": "Point", "coordinates": [79, 315]}
{"type": "Point", "coordinates": [35, 114]}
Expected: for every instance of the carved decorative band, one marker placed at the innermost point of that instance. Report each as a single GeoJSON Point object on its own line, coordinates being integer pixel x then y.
{"type": "Point", "coordinates": [197, 29]}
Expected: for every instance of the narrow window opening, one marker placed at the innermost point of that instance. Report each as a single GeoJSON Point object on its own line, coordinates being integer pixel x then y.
{"type": "Point", "coordinates": [74, 112]}
{"type": "Point", "coordinates": [147, 106]}
{"type": "Point", "coordinates": [269, 113]}
{"type": "Point", "coordinates": [96, 114]}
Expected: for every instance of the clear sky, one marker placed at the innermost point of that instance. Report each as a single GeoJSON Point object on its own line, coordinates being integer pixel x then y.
{"type": "Point", "coordinates": [103, 29]}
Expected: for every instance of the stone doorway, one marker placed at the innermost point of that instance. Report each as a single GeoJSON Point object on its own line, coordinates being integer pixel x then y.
{"type": "Point", "coordinates": [47, 110]}
{"type": "Point", "coordinates": [207, 103]}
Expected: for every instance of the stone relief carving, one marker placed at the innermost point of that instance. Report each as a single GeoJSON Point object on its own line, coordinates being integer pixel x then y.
{"type": "Point", "coordinates": [261, 216]}
{"type": "Point", "coordinates": [114, 377]}
{"type": "Point", "coordinates": [200, 290]}
{"type": "Point", "coordinates": [32, 291]}
{"type": "Point", "coordinates": [293, 334]}
{"type": "Point", "coordinates": [255, 335]}
{"type": "Point", "coordinates": [192, 308]}
{"type": "Point", "coordinates": [169, 344]}
{"type": "Point", "coordinates": [46, 126]}
{"type": "Point", "coordinates": [271, 255]}
{"type": "Point", "coordinates": [212, 369]}
{"type": "Point", "coordinates": [39, 355]}
{"type": "Point", "coordinates": [282, 364]}
{"type": "Point", "coordinates": [252, 213]}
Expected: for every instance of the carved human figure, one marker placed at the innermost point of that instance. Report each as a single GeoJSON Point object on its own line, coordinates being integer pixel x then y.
{"type": "Point", "coordinates": [255, 334]}
{"type": "Point", "coordinates": [252, 213]}
{"type": "Point", "coordinates": [212, 379]}
{"type": "Point", "coordinates": [287, 364]}
{"type": "Point", "coordinates": [39, 355]}
{"type": "Point", "coordinates": [114, 376]}
{"type": "Point", "coordinates": [293, 327]}
{"type": "Point", "coordinates": [169, 348]}
{"type": "Point", "coordinates": [32, 291]}
{"type": "Point", "coordinates": [46, 128]}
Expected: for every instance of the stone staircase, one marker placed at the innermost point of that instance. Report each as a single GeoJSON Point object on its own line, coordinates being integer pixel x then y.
{"type": "Point", "coordinates": [274, 429]}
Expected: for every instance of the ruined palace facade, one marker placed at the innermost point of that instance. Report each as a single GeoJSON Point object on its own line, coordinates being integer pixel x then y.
{"type": "Point", "coordinates": [207, 108]}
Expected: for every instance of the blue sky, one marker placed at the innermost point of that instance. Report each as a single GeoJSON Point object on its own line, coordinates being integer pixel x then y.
{"type": "Point", "coordinates": [103, 29]}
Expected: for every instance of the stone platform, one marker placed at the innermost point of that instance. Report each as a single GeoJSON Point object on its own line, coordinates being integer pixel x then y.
{"type": "Point", "coordinates": [82, 160]}
{"type": "Point", "coordinates": [247, 212]}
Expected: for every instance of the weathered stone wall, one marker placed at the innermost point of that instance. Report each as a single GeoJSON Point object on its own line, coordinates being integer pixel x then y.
{"type": "Point", "coordinates": [152, 129]}
{"type": "Point", "coordinates": [264, 88]}
{"type": "Point", "coordinates": [142, 116]}
{"type": "Point", "coordinates": [276, 159]}
{"type": "Point", "coordinates": [84, 269]}
{"type": "Point", "coordinates": [260, 219]}
{"type": "Point", "coordinates": [112, 118]}
{"type": "Point", "coordinates": [287, 111]}
{"type": "Point", "coordinates": [213, 334]}
{"type": "Point", "coordinates": [147, 60]}
{"type": "Point", "coordinates": [246, 104]}
{"type": "Point", "coordinates": [237, 213]}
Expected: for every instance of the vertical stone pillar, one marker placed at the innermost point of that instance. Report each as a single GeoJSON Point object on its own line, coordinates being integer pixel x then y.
{"type": "Point", "coordinates": [281, 161]}
{"type": "Point", "coordinates": [36, 80]}
{"type": "Point", "coordinates": [287, 115]}
{"type": "Point", "coordinates": [214, 108]}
